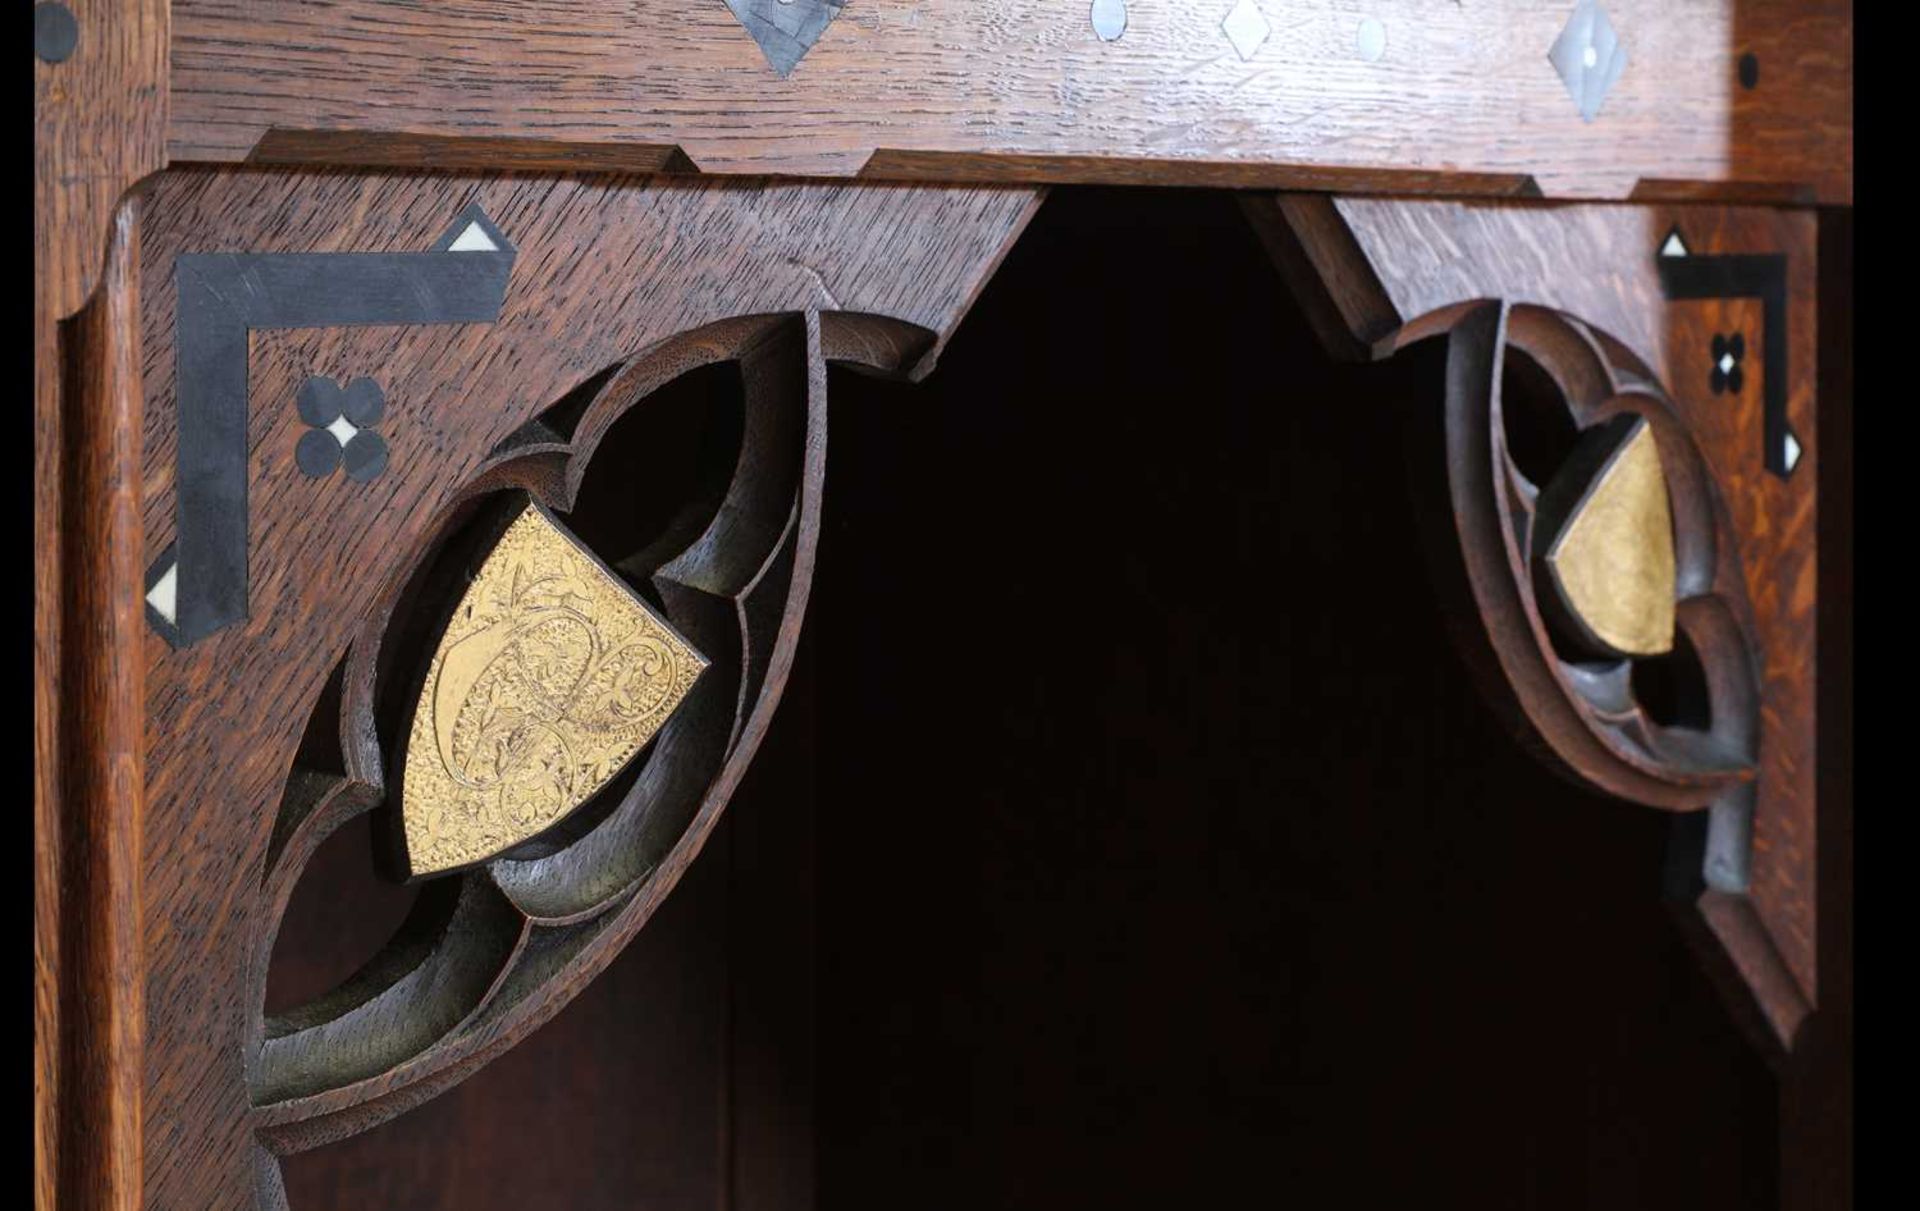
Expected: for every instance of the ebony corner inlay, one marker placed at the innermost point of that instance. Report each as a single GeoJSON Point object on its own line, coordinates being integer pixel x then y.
{"type": "Point", "coordinates": [224, 296]}
{"type": "Point", "coordinates": [1762, 276]}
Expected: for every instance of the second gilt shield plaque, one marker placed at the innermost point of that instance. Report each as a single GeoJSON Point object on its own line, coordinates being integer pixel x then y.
{"type": "Point", "coordinates": [550, 676]}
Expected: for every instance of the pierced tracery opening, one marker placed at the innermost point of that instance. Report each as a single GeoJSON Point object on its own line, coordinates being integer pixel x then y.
{"type": "Point", "coordinates": [716, 543]}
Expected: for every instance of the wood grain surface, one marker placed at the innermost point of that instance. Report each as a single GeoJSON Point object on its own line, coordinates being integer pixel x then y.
{"type": "Point", "coordinates": [89, 972]}
{"type": "Point", "coordinates": [607, 268]}
{"type": "Point", "coordinates": [1389, 270]}
{"type": "Point", "coordinates": [1817, 1103]}
{"type": "Point", "coordinates": [47, 784]}
{"type": "Point", "coordinates": [949, 87]}
{"type": "Point", "coordinates": [99, 125]}
{"type": "Point", "coordinates": [1462, 102]}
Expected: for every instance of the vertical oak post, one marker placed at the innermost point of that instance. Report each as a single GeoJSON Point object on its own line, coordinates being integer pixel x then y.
{"type": "Point", "coordinates": [100, 733]}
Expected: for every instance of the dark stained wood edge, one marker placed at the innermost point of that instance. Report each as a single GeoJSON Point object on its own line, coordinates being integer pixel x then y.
{"type": "Point", "coordinates": [1325, 268]}
{"type": "Point", "coordinates": [351, 149]}
{"type": "Point", "coordinates": [48, 553]}
{"type": "Point", "coordinates": [894, 164]}
{"type": "Point", "coordinates": [101, 711]}
{"type": "Point", "coordinates": [871, 342]}
{"type": "Point", "coordinates": [1816, 1101]}
{"type": "Point", "coordinates": [1733, 944]}
{"type": "Point", "coordinates": [361, 149]}
{"type": "Point", "coordinates": [1725, 193]}
{"type": "Point", "coordinates": [1739, 957]}
{"type": "Point", "coordinates": [356, 149]}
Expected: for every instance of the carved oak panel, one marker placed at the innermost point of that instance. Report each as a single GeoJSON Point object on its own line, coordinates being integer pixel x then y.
{"type": "Point", "coordinates": [616, 287]}
{"type": "Point", "coordinates": [352, 383]}
{"type": "Point", "coordinates": [280, 414]}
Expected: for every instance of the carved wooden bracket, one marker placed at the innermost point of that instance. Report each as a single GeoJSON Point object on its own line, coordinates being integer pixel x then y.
{"type": "Point", "coordinates": [1560, 334]}
{"type": "Point", "coordinates": [368, 446]}
{"type": "Point", "coordinates": [1591, 707]}
{"type": "Point", "coordinates": [490, 954]}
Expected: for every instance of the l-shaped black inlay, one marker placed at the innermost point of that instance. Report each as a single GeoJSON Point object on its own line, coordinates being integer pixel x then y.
{"type": "Point", "coordinates": [1760, 276]}
{"type": "Point", "coordinates": [224, 296]}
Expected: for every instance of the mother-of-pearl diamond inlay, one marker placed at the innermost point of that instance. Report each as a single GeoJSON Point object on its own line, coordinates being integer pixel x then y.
{"type": "Point", "coordinates": [1727, 353]}
{"type": "Point", "coordinates": [1246, 27]}
{"type": "Point", "coordinates": [342, 420]}
{"type": "Point", "coordinates": [1589, 56]}
{"type": "Point", "coordinates": [1370, 39]}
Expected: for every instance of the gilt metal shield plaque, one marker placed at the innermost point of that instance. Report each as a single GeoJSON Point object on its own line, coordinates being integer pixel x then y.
{"type": "Point", "coordinates": [551, 675]}
{"type": "Point", "coordinates": [1611, 559]}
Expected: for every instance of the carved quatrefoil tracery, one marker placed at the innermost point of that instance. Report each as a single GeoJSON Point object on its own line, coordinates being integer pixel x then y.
{"type": "Point", "coordinates": [487, 954]}
{"type": "Point", "coordinates": [1525, 387]}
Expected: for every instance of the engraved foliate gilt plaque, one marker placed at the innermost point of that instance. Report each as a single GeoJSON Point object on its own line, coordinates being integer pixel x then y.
{"type": "Point", "coordinates": [550, 677]}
